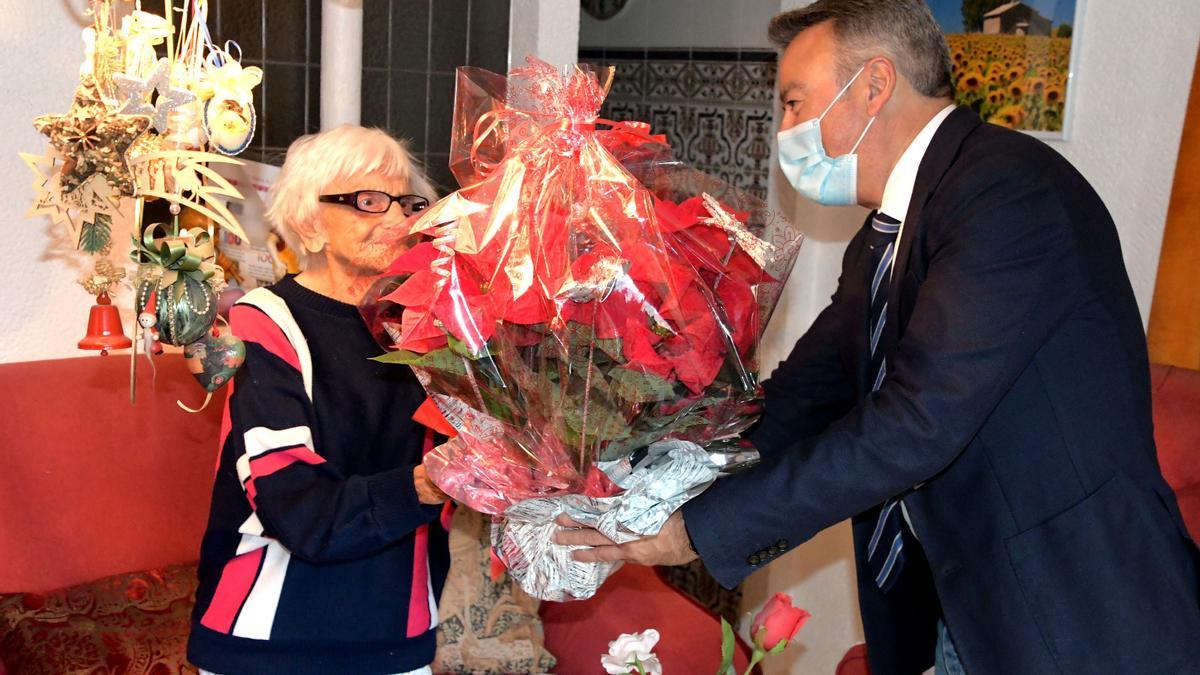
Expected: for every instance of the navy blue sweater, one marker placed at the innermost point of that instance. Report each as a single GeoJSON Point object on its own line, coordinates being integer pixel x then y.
{"type": "Point", "coordinates": [318, 556]}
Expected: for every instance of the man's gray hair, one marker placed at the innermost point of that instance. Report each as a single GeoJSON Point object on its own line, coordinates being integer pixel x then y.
{"type": "Point", "coordinates": [902, 30]}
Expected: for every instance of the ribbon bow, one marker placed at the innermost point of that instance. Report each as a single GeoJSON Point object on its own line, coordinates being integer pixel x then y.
{"type": "Point", "coordinates": [754, 247]}
{"type": "Point", "coordinates": [190, 253]}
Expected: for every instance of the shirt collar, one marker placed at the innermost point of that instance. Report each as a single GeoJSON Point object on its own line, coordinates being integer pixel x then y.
{"type": "Point", "coordinates": [898, 192]}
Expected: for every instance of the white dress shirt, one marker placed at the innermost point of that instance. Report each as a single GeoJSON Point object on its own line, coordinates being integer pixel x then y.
{"type": "Point", "coordinates": [897, 195]}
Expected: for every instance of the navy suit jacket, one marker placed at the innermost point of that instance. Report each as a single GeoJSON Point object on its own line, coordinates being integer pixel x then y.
{"type": "Point", "coordinates": [1015, 420]}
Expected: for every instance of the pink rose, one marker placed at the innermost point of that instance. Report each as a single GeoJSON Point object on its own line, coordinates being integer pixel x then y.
{"type": "Point", "coordinates": [779, 619]}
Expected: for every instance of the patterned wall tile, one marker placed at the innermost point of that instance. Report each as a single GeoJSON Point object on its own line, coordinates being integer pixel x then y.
{"type": "Point", "coordinates": [715, 107]}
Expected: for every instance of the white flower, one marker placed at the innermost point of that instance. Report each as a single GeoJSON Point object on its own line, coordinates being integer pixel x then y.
{"type": "Point", "coordinates": [628, 650]}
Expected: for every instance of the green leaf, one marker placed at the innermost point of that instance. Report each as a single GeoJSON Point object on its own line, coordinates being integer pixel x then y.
{"type": "Point", "coordinates": [727, 645]}
{"type": "Point", "coordinates": [779, 646]}
{"type": "Point", "coordinates": [580, 338]}
{"type": "Point", "coordinates": [441, 359]}
{"type": "Point", "coordinates": [459, 347]}
{"type": "Point", "coordinates": [95, 235]}
{"type": "Point", "coordinates": [638, 387]}
{"type": "Point", "coordinates": [602, 422]}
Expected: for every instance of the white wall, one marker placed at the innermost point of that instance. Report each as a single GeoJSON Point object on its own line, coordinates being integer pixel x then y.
{"type": "Point", "coordinates": [1134, 75]}
{"type": "Point", "coordinates": [43, 311]}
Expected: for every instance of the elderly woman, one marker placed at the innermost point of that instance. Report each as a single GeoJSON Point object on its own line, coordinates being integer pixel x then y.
{"type": "Point", "coordinates": [323, 554]}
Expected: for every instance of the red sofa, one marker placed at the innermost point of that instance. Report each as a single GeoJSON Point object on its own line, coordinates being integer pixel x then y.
{"type": "Point", "coordinates": [1176, 394]}
{"type": "Point", "coordinates": [92, 486]}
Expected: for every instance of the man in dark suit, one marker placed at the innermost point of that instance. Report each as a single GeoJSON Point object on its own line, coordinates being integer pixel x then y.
{"type": "Point", "coordinates": [975, 397]}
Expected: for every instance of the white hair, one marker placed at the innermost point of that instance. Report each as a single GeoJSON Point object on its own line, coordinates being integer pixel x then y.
{"type": "Point", "coordinates": [345, 152]}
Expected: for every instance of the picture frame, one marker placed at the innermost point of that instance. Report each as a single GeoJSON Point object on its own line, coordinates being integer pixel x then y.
{"type": "Point", "coordinates": [1015, 61]}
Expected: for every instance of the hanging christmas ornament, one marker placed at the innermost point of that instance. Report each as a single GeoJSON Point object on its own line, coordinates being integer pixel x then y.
{"type": "Point", "coordinates": [104, 321]}
{"type": "Point", "coordinates": [212, 360]}
{"type": "Point", "coordinates": [105, 274]}
{"type": "Point", "coordinates": [135, 95]}
{"type": "Point", "coordinates": [135, 92]}
{"type": "Point", "coordinates": [148, 322]}
{"type": "Point", "coordinates": [229, 117]}
{"type": "Point", "coordinates": [230, 124]}
{"type": "Point", "coordinates": [104, 330]}
{"type": "Point", "coordinates": [76, 209]}
{"type": "Point", "coordinates": [180, 270]}
{"type": "Point", "coordinates": [93, 140]}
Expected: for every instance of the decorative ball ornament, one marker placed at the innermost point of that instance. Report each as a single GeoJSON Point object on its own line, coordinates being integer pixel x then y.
{"type": "Point", "coordinates": [186, 308]}
{"type": "Point", "coordinates": [229, 124]}
{"type": "Point", "coordinates": [229, 117]}
{"type": "Point", "coordinates": [212, 360]}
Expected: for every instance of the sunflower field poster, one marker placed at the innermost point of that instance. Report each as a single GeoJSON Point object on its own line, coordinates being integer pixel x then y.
{"type": "Point", "coordinates": [1011, 60]}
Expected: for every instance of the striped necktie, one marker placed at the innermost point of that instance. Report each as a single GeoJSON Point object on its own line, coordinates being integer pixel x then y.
{"type": "Point", "coordinates": [885, 550]}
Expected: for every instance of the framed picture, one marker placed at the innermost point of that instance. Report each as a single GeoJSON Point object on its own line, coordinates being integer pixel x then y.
{"type": "Point", "coordinates": [1014, 61]}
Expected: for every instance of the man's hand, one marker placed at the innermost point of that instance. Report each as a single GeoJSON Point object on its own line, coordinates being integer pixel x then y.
{"type": "Point", "coordinates": [669, 547]}
{"type": "Point", "coordinates": [427, 492]}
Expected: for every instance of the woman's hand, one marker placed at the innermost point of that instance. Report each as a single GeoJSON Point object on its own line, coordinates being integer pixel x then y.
{"type": "Point", "coordinates": [427, 492]}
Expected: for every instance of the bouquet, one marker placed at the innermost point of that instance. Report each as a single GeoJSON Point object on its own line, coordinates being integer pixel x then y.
{"type": "Point", "coordinates": [585, 311]}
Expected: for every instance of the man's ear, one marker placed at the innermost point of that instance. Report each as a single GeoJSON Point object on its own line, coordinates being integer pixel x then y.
{"type": "Point", "coordinates": [882, 80]}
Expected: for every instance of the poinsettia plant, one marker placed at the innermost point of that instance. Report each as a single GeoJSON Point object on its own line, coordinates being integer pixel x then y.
{"type": "Point", "coordinates": [581, 297]}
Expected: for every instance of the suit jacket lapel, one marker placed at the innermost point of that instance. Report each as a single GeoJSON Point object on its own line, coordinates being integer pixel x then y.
{"type": "Point", "coordinates": [860, 299]}
{"type": "Point", "coordinates": [941, 153]}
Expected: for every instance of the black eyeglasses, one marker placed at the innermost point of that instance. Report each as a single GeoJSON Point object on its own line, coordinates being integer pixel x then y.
{"type": "Point", "coordinates": [374, 201]}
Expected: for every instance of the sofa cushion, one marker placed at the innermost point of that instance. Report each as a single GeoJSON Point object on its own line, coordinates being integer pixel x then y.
{"type": "Point", "coordinates": [486, 626]}
{"type": "Point", "coordinates": [128, 623]}
{"type": "Point", "coordinates": [1176, 394]}
{"type": "Point", "coordinates": [75, 449]}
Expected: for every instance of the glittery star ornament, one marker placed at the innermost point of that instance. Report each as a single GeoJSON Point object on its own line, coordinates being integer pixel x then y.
{"type": "Point", "coordinates": [135, 94]}
{"type": "Point", "coordinates": [92, 140]}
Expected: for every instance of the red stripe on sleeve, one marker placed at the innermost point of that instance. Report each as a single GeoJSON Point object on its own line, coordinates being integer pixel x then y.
{"type": "Point", "coordinates": [266, 465]}
{"type": "Point", "coordinates": [251, 325]}
{"type": "Point", "coordinates": [237, 578]}
{"type": "Point", "coordinates": [418, 601]}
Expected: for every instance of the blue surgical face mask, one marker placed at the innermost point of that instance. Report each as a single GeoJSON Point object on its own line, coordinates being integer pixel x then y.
{"type": "Point", "coordinates": [832, 181]}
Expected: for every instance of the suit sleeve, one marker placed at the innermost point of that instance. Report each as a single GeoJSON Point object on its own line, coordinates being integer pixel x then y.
{"type": "Point", "coordinates": [315, 511]}
{"type": "Point", "coordinates": [1000, 278]}
{"type": "Point", "coordinates": [811, 388]}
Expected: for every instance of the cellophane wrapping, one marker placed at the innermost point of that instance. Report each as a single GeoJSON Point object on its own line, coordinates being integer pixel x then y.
{"type": "Point", "coordinates": [582, 297]}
